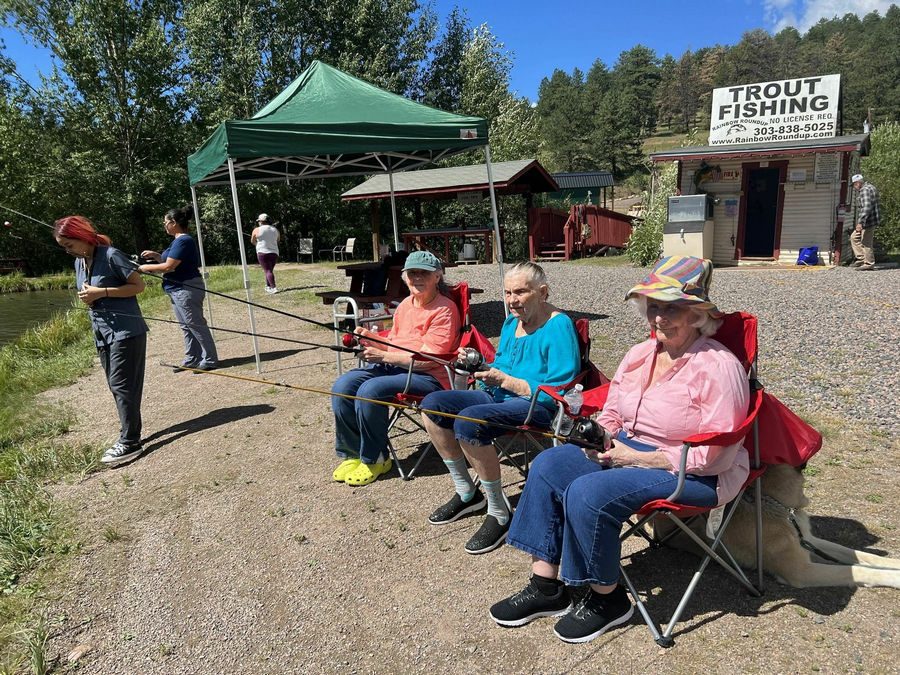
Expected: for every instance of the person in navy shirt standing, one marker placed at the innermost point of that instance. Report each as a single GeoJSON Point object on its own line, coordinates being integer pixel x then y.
{"type": "Point", "coordinates": [180, 267]}
{"type": "Point", "coordinates": [108, 284]}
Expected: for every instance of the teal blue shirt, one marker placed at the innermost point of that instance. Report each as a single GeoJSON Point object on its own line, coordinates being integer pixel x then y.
{"type": "Point", "coordinates": [548, 356]}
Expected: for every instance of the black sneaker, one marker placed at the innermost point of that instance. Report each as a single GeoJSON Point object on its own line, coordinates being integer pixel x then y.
{"type": "Point", "coordinates": [490, 535]}
{"type": "Point", "coordinates": [594, 615]}
{"type": "Point", "coordinates": [183, 366]}
{"type": "Point", "coordinates": [456, 508]}
{"type": "Point", "coordinates": [120, 453]}
{"type": "Point", "coordinates": [206, 367]}
{"type": "Point", "coordinates": [529, 604]}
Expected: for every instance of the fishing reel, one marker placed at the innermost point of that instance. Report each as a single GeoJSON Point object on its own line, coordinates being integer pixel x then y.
{"type": "Point", "coordinates": [350, 342]}
{"type": "Point", "coordinates": [586, 430]}
{"type": "Point", "coordinates": [139, 259]}
{"type": "Point", "coordinates": [471, 361]}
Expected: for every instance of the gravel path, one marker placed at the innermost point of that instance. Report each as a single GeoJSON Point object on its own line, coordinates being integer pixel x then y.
{"type": "Point", "coordinates": [228, 549]}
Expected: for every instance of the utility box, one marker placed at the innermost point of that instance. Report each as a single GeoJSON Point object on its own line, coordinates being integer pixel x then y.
{"type": "Point", "coordinates": [689, 226]}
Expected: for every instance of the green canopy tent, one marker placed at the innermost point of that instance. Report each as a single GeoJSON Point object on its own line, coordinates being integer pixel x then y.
{"type": "Point", "coordinates": [326, 124]}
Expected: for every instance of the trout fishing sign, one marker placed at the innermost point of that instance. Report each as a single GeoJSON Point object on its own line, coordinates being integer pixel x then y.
{"type": "Point", "coordinates": [784, 110]}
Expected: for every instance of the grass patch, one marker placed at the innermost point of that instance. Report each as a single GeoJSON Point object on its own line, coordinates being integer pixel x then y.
{"type": "Point", "coordinates": [604, 261]}
{"type": "Point", "coordinates": [16, 283]}
{"type": "Point", "coordinates": [34, 532]}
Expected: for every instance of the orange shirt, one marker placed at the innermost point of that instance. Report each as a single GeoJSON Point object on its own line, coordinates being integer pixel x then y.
{"type": "Point", "coordinates": [433, 329]}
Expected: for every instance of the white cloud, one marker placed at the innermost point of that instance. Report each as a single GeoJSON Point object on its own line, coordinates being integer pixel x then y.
{"type": "Point", "coordinates": [802, 14]}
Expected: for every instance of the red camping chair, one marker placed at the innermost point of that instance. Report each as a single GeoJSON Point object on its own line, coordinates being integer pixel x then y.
{"type": "Point", "coordinates": [777, 437]}
{"type": "Point", "coordinates": [523, 442]}
{"type": "Point", "coordinates": [401, 422]}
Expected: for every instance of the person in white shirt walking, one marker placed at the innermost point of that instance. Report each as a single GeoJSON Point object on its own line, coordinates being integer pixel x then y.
{"type": "Point", "coordinates": [265, 237]}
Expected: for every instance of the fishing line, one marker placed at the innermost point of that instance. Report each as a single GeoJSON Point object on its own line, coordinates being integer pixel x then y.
{"type": "Point", "coordinates": [391, 404]}
{"type": "Point", "coordinates": [25, 215]}
{"type": "Point", "coordinates": [335, 348]}
{"type": "Point", "coordinates": [375, 340]}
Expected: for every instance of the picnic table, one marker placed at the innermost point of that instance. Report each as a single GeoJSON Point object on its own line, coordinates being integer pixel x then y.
{"type": "Point", "coordinates": [410, 239]}
{"type": "Point", "coordinates": [360, 273]}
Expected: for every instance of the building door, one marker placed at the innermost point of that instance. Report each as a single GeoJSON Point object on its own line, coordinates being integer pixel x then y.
{"type": "Point", "coordinates": [762, 212]}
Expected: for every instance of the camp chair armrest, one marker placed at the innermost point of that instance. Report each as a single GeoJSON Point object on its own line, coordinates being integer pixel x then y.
{"type": "Point", "coordinates": [731, 437]}
{"type": "Point", "coordinates": [682, 473]}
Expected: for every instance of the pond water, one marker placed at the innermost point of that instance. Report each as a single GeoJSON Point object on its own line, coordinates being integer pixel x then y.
{"type": "Point", "coordinates": [21, 311]}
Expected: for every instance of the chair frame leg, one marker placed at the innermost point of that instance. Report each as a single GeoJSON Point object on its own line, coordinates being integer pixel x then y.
{"type": "Point", "coordinates": [395, 418]}
{"type": "Point", "coordinates": [664, 637]}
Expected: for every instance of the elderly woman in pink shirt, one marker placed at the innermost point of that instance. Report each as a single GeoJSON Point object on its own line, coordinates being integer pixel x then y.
{"type": "Point", "coordinates": [427, 321]}
{"type": "Point", "coordinates": [678, 383]}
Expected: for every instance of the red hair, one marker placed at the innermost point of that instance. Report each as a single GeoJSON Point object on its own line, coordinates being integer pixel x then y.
{"type": "Point", "coordinates": [80, 228]}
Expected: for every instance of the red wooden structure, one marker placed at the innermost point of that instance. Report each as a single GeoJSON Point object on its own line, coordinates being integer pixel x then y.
{"type": "Point", "coordinates": [585, 230]}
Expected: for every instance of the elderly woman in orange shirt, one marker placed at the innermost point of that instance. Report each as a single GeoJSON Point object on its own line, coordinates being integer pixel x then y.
{"type": "Point", "coordinates": [427, 321]}
{"type": "Point", "coordinates": [678, 383]}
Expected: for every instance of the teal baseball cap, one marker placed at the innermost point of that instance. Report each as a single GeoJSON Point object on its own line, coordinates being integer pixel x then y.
{"type": "Point", "coordinates": [422, 260]}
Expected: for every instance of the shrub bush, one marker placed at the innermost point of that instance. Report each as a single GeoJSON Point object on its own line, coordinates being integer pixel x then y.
{"type": "Point", "coordinates": [645, 244]}
{"type": "Point", "coordinates": [880, 169]}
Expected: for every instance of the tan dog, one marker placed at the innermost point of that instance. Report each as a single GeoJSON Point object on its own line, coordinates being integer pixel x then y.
{"type": "Point", "coordinates": [783, 555]}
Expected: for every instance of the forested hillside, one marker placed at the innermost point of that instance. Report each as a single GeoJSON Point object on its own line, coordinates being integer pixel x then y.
{"type": "Point", "coordinates": [137, 86]}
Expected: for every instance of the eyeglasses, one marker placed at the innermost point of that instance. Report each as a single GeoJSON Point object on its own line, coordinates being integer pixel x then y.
{"type": "Point", "coordinates": [667, 309]}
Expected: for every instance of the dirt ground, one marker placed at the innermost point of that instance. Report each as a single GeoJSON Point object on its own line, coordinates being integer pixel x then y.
{"type": "Point", "coordinates": [227, 548]}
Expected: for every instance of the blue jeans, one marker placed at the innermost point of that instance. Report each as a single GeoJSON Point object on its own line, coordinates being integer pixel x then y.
{"type": "Point", "coordinates": [572, 509]}
{"type": "Point", "coordinates": [481, 405]}
{"type": "Point", "coordinates": [187, 303]}
{"type": "Point", "coordinates": [361, 428]}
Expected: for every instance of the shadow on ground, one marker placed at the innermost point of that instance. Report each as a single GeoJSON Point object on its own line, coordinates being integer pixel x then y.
{"type": "Point", "coordinates": [214, 418]}
{"type": "Point", "coordinates": [263, 356]}
{"type": "Point", "coordinates": [667, 572]}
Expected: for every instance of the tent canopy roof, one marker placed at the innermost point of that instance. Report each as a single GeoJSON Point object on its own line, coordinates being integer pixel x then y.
{"type": "Point", "coordinates": [328, 123]}
{"type": "Point", "coordinates": [523, 175]}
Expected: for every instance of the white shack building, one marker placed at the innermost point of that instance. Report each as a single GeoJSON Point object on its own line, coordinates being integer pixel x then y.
{"type": "Point", "coordinates": [781, 191]}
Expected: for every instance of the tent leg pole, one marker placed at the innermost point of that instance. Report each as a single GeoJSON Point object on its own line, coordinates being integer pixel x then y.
{"type": "Point", "coordinates": [203, 271]}
{"type": "Point", "coordinates": [394, 211]}
{"type": "Point", "coordinates": [240, 238]}
{"type": "Point", "coordinates": [498, 246]}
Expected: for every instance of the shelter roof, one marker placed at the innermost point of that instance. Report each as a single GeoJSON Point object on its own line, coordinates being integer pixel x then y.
{"type": "Point", "coordinates": [583, 179]}
{"type": "Point", "coordinates": [523, 175]}
{"type": "Point", "coordinates": [328, 123]}
{"type": "Point", "coordinates": [858, 142]}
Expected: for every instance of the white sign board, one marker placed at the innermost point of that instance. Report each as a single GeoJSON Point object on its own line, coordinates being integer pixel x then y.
{"type": "Point", "coordinates": [827, 167]}
{"type": "Point", "coordinates": [785, 110]}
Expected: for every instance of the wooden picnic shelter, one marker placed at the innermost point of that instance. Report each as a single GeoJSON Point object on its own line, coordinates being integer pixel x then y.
{"type": "Point", "coordinates": [468, 184]}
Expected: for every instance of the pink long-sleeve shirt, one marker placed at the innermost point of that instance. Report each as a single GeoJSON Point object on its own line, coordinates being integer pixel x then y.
{"type": "Point", "coordinates": [706, 390]}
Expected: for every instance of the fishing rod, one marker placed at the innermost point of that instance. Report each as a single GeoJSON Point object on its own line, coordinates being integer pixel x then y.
{"type": "Point", "coordinates": [373, 339]}
{"type": "Point", "coordinates": [25, 215]}
{"type": "Point", "coordinates": [337, 348]}
{"type": "Point", "coordinates": [347, 331]}
{"type": "Point", "coordinates": [8, 225]}
{"type": "Point", "coordinates": [585, 432]}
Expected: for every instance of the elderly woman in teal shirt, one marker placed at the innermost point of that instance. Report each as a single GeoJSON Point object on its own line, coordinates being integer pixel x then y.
{"type": "Point", "coordinates": [538, 346]}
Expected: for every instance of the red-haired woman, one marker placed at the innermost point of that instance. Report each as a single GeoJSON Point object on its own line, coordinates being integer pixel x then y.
{"type": "Point", "coordinates": [108, 283]}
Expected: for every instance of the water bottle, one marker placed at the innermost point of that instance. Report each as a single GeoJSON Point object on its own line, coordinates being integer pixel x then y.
{"type": "Point", "coordinates": [574, 399]}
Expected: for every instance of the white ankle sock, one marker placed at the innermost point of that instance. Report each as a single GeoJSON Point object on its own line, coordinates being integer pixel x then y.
{"type": "Point", "coordinates": [462, 481]}
{"type": "Point", "coordinates": [497, 507]}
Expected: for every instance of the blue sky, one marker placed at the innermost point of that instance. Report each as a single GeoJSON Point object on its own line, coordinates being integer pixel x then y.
{"type": "Point", "coordinates": [574, 33]}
